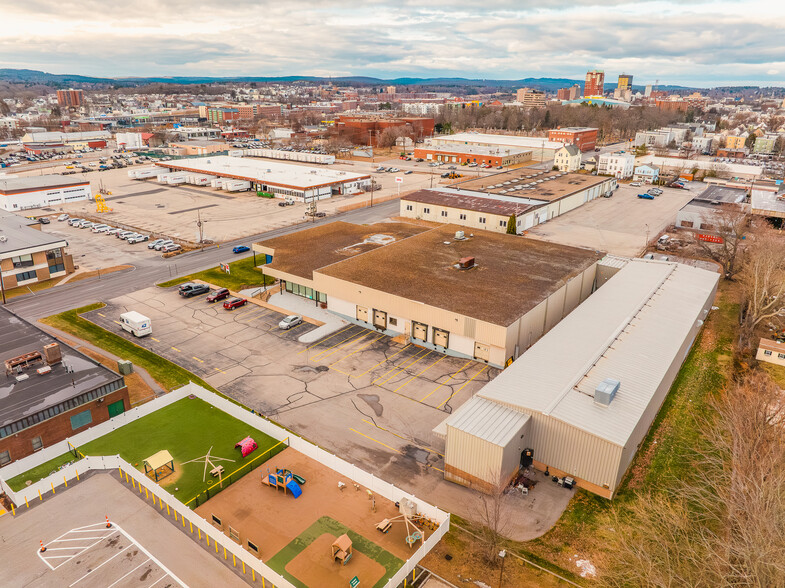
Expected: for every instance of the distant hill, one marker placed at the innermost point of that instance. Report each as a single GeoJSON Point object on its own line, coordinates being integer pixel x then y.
{"type": "Point", "coordinates": [31, 76]}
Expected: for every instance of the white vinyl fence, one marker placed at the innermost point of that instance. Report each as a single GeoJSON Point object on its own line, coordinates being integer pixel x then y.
{"type": "Point", "coordinates": [58, 481]}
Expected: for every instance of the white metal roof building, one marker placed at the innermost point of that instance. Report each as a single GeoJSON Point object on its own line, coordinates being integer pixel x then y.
{"type": "Point", "coordinates": [540, 147]}
{"type": "Point", "coordinates": [636, 329]}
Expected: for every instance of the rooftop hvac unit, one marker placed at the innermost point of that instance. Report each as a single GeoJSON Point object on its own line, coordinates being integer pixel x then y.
{"type": "Point", "coordinates": [606, 391]}
{"type": "Point", "coordinates": [3, 238]}
{"type": "Point", "coordinates": [125, 367]}
{"type": "Point", "coordinates": [466, 263]}
{"type": "Point", "coordinates": [459, 236]}
{"type": "Point", "coordinates": [52, 353]}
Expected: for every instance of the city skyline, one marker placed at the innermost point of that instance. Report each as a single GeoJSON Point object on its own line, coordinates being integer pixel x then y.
{"type": "Point", "coordinates": [699, 44]}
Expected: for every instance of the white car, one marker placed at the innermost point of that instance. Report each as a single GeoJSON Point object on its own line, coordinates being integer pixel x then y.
{"type": "Point", "coordinates": [63, 217]}
{"type": "Point", "coordinates": [290, 321]}
{"type": "Point", "coordinates": [138, 238]}
{"type": "Point", "coordinates": [170, 247]}
{"type": "Point", "coordinates": [636, 184]}
{"type": "Point", "coordinates": [113, 232]}
{"type": "Point", "coordinates": [152, 244]}
{"type": "Point", "coordinates": [163, 244]}
{"type": "Point", "coordinates": [125, 234]}
{"type": "Point", "coordinates": [99, 228]}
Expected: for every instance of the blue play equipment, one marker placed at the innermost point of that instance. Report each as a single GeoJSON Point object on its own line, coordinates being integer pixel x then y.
{"type": "Point", "coordinates": [282, 479]}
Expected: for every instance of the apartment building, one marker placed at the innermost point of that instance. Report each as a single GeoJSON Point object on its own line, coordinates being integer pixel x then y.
{"type": "Point", "coordinates": [618, 164]}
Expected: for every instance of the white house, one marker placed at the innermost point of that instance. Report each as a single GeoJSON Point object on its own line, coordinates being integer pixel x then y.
{"type": "Point", "coordinates": [619, 164]}
{"type": "Point", "coordinates": [646, 173]}
{"type": "Point", "coordinates": [568, 158]}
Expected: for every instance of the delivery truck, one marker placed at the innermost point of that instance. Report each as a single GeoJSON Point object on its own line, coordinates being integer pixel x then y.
{"type": "Point", "coordinates": [136, 323]}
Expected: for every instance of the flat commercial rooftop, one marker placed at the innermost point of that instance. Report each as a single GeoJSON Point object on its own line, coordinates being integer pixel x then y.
{"type": "Point", "coordinates": [301, 253]}
{"type": "Point", "coordinates": [484, 150]}
{"type": "Point", "coordinates": [506, 140]}
{"type": "Point", "coordinates": [632, 329]}
{"type": "Point", "coordinates": [19, 235]}
{"type": "Point", "coordinates": [36, 393]}
{"type": "Point", "coordinates": [467, 202]}
{"type": "Point", "coordinates": [537, 185]}
{"type": "Point", "coordinates": [512, 274]}
{"type": "Point", "coordinates": [723, 194]}
{"type": "Point", "coordinates": [9, 185]}
{"type": "Point", "coordinates": [266, 171]}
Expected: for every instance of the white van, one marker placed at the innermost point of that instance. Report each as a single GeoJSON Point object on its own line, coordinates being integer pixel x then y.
{"type": "Point", "coordinates": [136, 323]}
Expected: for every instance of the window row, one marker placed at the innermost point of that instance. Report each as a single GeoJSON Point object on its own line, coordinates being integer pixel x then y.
{"type": "Point", "coordinates": [779, 355]}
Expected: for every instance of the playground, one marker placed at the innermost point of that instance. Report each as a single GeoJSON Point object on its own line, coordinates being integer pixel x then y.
{"type": "Point", "coordinates": [314, 526]}
{"type": "Point", "coordinates": [187, 447]}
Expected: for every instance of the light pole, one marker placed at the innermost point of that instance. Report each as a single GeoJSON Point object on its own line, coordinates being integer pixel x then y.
{"type": "Point", "coordinates": [2, 286]}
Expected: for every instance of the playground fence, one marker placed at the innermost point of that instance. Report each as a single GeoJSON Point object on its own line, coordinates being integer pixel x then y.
{"type": "Point", "coordinates": [54, 481]}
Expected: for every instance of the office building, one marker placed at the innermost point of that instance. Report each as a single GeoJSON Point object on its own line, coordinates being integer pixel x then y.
{"type": "Point", "coordinates": [70, 98]}
{"type": "Point", "coordinates": [595, 83]}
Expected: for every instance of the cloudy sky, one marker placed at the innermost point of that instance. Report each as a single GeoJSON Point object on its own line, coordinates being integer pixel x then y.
{"type": "Point", "coordinates": [689, 42]}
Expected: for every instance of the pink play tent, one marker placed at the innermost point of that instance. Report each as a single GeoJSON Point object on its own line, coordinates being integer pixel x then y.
{"type": "Point", "coordinates": [246, 446]}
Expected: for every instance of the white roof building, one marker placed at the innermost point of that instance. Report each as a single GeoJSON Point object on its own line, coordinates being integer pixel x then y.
{"type": "Point", "coordinates": [636, 329]}
{"type": "Point", "coordinates": [540, 147]}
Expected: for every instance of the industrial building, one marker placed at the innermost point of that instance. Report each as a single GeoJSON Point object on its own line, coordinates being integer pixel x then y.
{"type": "Point", "coordinates": [479, 154]}
{"type": "Point", "coordinates": [542, 149]}
{"type": "Point", "coordinates": [28, 255]}
{"type": "Point", "coordinates": [480, 296]}
{"type": "Point", "coordinates": [18, 193]}
{"type": "Point", "coordinates": [197, 147]}
{"type": "Point", "coordinates": [50, 390]}
{"type": "Point", "coordinates": [367, 130]}
{"type": "Point", "coordinates": [533, 196]}
{"type": "Point", "coordinates": [580, 401]}
{"type": "Point", "coordinates": [282, 179]}
{"type": "Point", "coordinates": [767, 198]}
{"type": "Point", "coordinates": [585, 138]}
{"type": "Point", "coordinates": [65, 142]}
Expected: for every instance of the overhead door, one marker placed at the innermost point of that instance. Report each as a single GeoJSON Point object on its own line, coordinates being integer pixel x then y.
{"type": "Point", "coordinates": [482, 351]}
{"type": "Point", "coordinates": [116, 408]}
{"type": "Point", "coordinates": [419, 331]}
{"type": "Point", "coordinates": [362, 314]}
{"type": "Point", "coordinates": [379, 319]}
{"type": "Point", "coordinates": [441, 338]}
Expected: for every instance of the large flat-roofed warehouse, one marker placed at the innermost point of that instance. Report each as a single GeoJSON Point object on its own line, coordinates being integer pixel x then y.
{"type": "Point", "coordinates": [38, 191]}
{"type": "Point", "coordinates": [282, 179]}
{"type": "Point", "coordinates": [481, 203]}
{"type": "Point", "coordinates": [478, 154]}
{"type": "Point", "coordinates": [541, 148]}
{"type": "Point", "coordinates": [50, 391]}
{"type": "Point", "coordinates": [580, 401]}
{"type": "Point", "coordinates": [486, 296]}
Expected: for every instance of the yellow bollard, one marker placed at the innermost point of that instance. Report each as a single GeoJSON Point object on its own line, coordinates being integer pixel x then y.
{"type": "Point", "coordinates": [216, 546]}
{"type": "Point", "coordinates": [243, 567]}
{"type": "Point", "coordinates": [39, 495]}
{"type": "Point", "coordinates": [263, 585]}
{"type": "Point", "coordinates": [126, 477]}
{"type": "Point", "coordinates": [65, 482]}
{"type": "Point", "coordinates": [13, 510]}
{"type": "Point", "coordinates": [253, 575]}
{"type": "Point", "coordinates": [199, 531]}
{"type": "Point", "coordinates": [224, 552]}
{"type": "Point", "coordinates": [53, 487]}
{"type": "Point", "coordinates": [133, 484]}
{"type": "Point", "coordinates": [161, 502]}
{"type": "Point", "coordinates": [206, 536]}
{"type": "Point", "coordinates": [77, 475]}
{"type": "Point", "coordinates": [175, 515]}
{"type": "Point", "coordinates": [413, 571]}
{"type": "Point", "coordinates": [167, 509]}
{"type": "Point", "coordinates": [27, 503]}
{"type": "Point", "coordinates": [183, 519]}
{"type": "Point", "coordinates": [192, 526]}
{"type": "Point", "coordinates": [119, 469]}
{"type": "Point", "coordinates": [145, 493]}
{"type": "Point", "coordinates": [234, 560]}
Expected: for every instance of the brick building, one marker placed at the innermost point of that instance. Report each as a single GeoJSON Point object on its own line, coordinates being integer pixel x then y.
{"type": "Point", "coordinates": [595, 83]}
{"type": "Point", "coordinates": [52, 390]}
{"type": "Point", "coordinates": [478, 154]}
{"type": "Point", "coordinates": [585, 138]}
{"type": "Point", "coordinates": [70, 98]}
{"type": "Point", "coordinates": [361, 130]}
{"type": "Point", "coordinates": [572, 93]}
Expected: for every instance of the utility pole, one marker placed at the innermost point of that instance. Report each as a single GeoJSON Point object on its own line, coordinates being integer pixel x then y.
{"type": "Point", "coordinates": [2, 286]}
{"type": "Point", "coordinates": [503, 555]}
{"type": "Point", "coordinates": [373, 185]}
{"type": "Point", "coordinates": [200, 226]}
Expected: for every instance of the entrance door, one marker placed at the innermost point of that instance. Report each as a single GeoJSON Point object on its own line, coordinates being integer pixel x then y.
{"type": "Point", "coordinates": [419, 331]}
{"type": "Point", "coordinates": [441, 338]}
{"type": "Point", "coordinates": [362, 314]}
{"type": "Point", "coordinates": [527, 455]}
{"type": "Point", "coordinates": [482, 351]}
{"type": "Point", "coordinates": [379, 319]}
{"type": "Point", "coordinates": [116, 408]}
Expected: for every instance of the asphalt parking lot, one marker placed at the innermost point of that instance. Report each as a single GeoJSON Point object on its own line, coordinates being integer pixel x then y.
{"type": "Point", "coordinates": [617, 225]}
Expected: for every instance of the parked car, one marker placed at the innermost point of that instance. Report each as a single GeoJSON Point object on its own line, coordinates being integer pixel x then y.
{"type": "Point", "coordinates": [646, 196]}
{"type": "Point", "coordinates": [217, 295]}
{"type": "Point", "coordinates": [290, 321]}
{"type": "Point", "coordinates": [408, 171]}
{"type": "Point", "coordinates": [185, 286]}
{"type": "Point", "coordinates": [124, 234]}
{"type": "Point", "coordinates": [241, 249]}
{"type": "Point", "coordinates": [152, 244]}
{"type": "Point", "coordinates": [104, 229]}
{"type": "Point", "coordinates": [636, 184]}
{"type": "Point", "coordinates": [63, 217]}
{"type": "Point", "coordinates": [194, 290]}
{"type": "Point", "coordinates": [163, 244]}
{"type": "Point", "coordinates": [171, 247]}
{"type": "Point", "coordinates": [235, 302]}
{"type": "Point", "coordinates": [44, 220]}
{"type": "Point", "coordinates": [113, 232]}
{"type": "Point", "coordinates": [86, 224]}
{"type": "Point", "coordinates": [97, 228]}
{"type": "Point", "coordinates": [138, 238]}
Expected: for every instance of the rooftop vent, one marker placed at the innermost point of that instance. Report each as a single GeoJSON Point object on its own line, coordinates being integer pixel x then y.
{"type": "Point", "coordinates": [52, 353]}
{"type": "Point", "coordinates": [606, 391]}
{"type": "Point", "coordinates": [465, 263]}
{"type": "Point", "coordinates": [459, 236]}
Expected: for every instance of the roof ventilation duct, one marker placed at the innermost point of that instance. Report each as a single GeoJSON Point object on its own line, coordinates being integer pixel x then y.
{"type": "Point", "coordinates": [606, 391]}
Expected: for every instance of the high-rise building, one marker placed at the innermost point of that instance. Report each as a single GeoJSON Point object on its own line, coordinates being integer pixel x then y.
{"type": "Point", "coordinates": [595, 83]}
{"type": "Point", "coordinates": [70, 97]}
{"type": "Point", "coordinates": [625, 82]}
{"type": "Point", "coordinates": [530, 98]}
{"type": "Point", "coordinates": [572, 93]}
{"type": "Point", "coordinates": [647, 91]}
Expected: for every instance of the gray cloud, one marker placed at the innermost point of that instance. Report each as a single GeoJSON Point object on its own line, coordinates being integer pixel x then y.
{"type": "Point", "coordinates": [700, 42]}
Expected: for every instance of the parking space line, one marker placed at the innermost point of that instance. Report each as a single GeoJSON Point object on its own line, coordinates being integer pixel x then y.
{"type": "Point", "coordinates": [447, 381]}
{"type": "Point", "coordinates": [100, 565]}
{"type": "Point", "coordinates": [158, 580]}
{"type": "Point", "coordinates": [395, 367]}
{"type": "Point", "coordinates": [382, 361]}
{"type": "Point", "coordinates": [175, 349]}
{"type": "Point", "coordinates": [154, 339]}
{"type": "Point", "coordinates": [401, 437]}
{"type": "Point", "coordinates": [255, 313]}
{"type": "Point", "coordinates": [348, 341]}
{"type": "Point", "coordinates": [358, 349]}
{"type": "Point", "coordinates": [197, 359]}
{"type": "Point", "coordinates": [219, 370]}
{"type": "Point", "coordinates": [101, 314]}
{"type": "Point", "coordinates": [442, 358]}
{"type": "Point", "coordinates": [325, 339]}
{"type": "Point", "coordinates": [419, 357]}
{"type": "Point", "coordinates": [462, 387]}
{"type": "Point", "coordinates": [117, 322]}
{"type": "Point", "coordinates": [376, 441]}
{"type": "Point", "coordinates": [128, 574]}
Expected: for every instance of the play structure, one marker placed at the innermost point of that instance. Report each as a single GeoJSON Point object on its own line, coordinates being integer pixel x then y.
{"type": "Point", "coordinates": [246, 446]}
{"type": "Point", "coordinates": [342, 549]}
{"type": "Point", "coordinates": [216, 471]}
{"type": "Point", "coordinates": [159, 465]}
{"type": "Point", "coordinates": [408, 517]}
{"type": "Point", "coordinates": [283, 479]}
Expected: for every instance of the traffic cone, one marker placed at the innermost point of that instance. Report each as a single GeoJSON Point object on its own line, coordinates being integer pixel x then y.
{"type": "Point", "coordinates": [108, 524]}
{"type": "Point", "coordinates": [42, 547]}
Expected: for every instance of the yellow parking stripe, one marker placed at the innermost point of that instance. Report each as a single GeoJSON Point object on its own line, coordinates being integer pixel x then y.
{"type": "Point", "coordinates": [154, 339]}
{"type": "Point", "coordinates": [376, 441]}
{"type": "Point", "coordinates": [175, 349]}
{"type": "Point", "coordinates": [358, 349]}
{"type": "Point", "coordinates": [447, 381]}
{"type": "Point", "coordinates": [442, 358]}
{"type": "Point", "coordinates": [117, 322]}
{"type": "Point", "coordinates": [323, 340]}
{"type": "Point", "coordinates": [462, 387]}
{"type": "Point", "coordinates": [402, 437]}
{"type": "Point", "coordinates": [255, 313]}
{"type": "Point", "coordinates": [197, 359]}
{"type": "Point", "coordinates": [382, 361]}
{"type": "Point", "coordinates": [417, 358]}
{"type": "Point", "coordinates": [101, 314]}
{"type": "Point", "coordinates": [219, 370]}
{"type": "Point", "coordinates": [347, 341]}
{"type": "Point", "coordinates": [349, 344]}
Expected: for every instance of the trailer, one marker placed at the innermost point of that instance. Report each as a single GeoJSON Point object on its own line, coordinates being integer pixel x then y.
{"type": "Point", "coordinates": [136, 323]}
{"type": "Point", "coordinates": [237, 186]}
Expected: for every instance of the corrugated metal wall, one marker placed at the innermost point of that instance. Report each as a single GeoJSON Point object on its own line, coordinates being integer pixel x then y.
{"type": "Point", "coordinates": [473, 455]}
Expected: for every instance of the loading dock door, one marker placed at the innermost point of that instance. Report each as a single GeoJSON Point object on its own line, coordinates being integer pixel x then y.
{"type": "Point", "coordinates": [482, 351]}
{"type": "Point", "coordinates": [379, 319]}
{"type": "Point", "coordinates": [362, 314]}
{"type": "Point", "coordinates": [419, 331]}
{"type": "Point", "coordinates": [441, 337]}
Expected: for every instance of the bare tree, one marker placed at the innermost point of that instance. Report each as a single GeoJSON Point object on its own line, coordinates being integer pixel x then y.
{"type": "Point", "coordinates": [763, 282]}
{"type": "Point", "coordinates": [493, 513]}
{"type": "Point", "coordinates": [731, 223]}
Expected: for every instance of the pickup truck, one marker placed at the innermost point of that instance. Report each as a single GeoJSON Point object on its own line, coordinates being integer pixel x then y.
{"type": "Point", "coordinates": [646, 196]}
